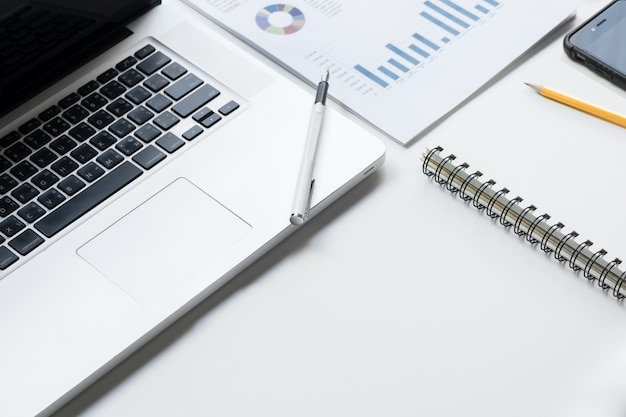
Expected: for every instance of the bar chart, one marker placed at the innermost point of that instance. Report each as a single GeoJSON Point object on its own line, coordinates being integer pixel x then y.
{"type": "Point", "coordinates": [400, 65]}
{"type": "Point", "coordinates": [432, 27]}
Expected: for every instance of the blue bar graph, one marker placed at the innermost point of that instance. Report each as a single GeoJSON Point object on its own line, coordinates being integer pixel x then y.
{"type": "Point", "coordinates": [461, 10]}
{"type": "Point", "coordinates": [403, 54]}
{"type": "Point", "coordinates": [398, 65]}
{"type": "Point", "coordinates": [447, 15]}
{"type": "Point", "coordinates": [388, 73]}
{"type": "Point", "coordinates": [420, 51]}
{"type": "Point", "coordinates": [426, 42]}
{"type": "Point", "coordinates": [371, 76]}
{"type": "Point", "coordinates": [440, 24]}
{"type": "Point", "coordinates": [481, 9]}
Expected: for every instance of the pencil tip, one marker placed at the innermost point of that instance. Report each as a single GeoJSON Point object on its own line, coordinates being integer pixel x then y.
{"type": "Point", "coordinates": [535, 87]}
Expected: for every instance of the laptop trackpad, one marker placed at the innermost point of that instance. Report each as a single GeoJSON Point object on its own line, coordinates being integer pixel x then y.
{"type": "Point", "coordinates": [160, 243]}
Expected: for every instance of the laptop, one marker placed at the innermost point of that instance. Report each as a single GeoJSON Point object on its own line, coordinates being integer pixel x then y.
{"type": "Point", "coordinates": [145, 159]}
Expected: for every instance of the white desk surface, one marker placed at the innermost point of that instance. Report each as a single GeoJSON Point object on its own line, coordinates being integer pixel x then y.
{"type": "Point", "coordinates": [401, 300]}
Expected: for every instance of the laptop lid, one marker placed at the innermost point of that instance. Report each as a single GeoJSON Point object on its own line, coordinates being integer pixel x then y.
{"type": "Point", "coordinates": [42, 41]}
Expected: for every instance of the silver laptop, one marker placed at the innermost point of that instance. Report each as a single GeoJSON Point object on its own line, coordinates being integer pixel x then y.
{"type": "Point", "coordinates": [145, 161]}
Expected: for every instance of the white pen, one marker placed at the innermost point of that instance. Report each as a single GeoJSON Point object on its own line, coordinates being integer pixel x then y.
{"type": "Point", "coordinates": [304, 187]}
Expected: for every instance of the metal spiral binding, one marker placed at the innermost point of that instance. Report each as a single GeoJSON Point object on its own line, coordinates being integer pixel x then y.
{"type": "Point", "coordinates": [546, 237]}
{"type": "Point", "coordinates": [534, 228]}
{"type": "Point", "coordinates": [517, 227]}
{"type": "Point", "coordinates": [490, 212]}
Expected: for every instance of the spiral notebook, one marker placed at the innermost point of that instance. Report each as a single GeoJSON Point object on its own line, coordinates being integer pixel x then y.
{"type": "Point", "coordinates": [536, 229]}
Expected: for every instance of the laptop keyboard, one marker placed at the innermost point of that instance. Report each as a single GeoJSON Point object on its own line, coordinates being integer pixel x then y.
{"type": "Point", "coordinates": [73, 155]}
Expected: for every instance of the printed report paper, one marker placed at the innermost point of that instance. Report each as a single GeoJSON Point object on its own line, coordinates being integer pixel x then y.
{"type": "Point", "coordinates": [401, 65]}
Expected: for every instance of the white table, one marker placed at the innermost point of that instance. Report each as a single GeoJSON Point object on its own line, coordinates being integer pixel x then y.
{"type": "Point", "coordinates": [401, 300]}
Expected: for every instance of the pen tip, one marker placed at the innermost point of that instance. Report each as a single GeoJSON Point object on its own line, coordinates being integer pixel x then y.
{"type": "Point", "coordinates": [325, 76]}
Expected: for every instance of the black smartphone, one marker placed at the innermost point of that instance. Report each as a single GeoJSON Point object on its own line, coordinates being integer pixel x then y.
{"type": "Point", "coordinates": [600, 43]}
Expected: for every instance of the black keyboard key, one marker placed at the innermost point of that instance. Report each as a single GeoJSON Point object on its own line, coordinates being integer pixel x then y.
{"type": "Point", "coordinates": [93, 102]}
{"type": "Point", "coordinates": [131, 78]}
{"type": "Point", "coordinates": [64, 166]}
{"type": "Point", "coordinates": [229, 107]}
{"type": "Point", "coordinates": [147, 133]}
{"type": "Point", "coordinates": [103, 140]}
{"type": "Point", "coordinates": [63, 145]}
{"type": "Point", "coordinates": [145, 51]}
{"type": "Point", "coordinates": [7, 183]}
{"type": "Point", "coordinates": [24, 193]}
{"type": "Point", "coordinates": [24, 170]}
{"type": "Point", "coordinates": [119, 107]}
{"type": "Point", "coordinates": [101, 119]}
{"type": "Point", "coordinates": [202, 113]}
{"type": "Point", "coordinates": [159, 103]}
{"type": "Point", "coordinates": [170, 142]}
{"type": "Point", "coordinates": [71, 185]}
{"type": "Point", "coordinates": [210, 120]}
{"type": "Point", "coordinates": [37, 139]}
{"type": "Point", "coordinates": [109, 159]}
{"type": "Point", "coordinates": [49, 113]}
{"type": "Point", "coordinates": [107, 76]}
{"type": "Point", "coordinates": [196, 100]}
{"type": "Point", "coordinates": [121, 128]}
{"type": "Point", "coordinates": [88, 199]}
{"type": "Point", "coordinates": [128, 146]}
{"type": "Point", "coordinates": [11, 226]}
{"type": "Point", "coordinates": [149, 157]}
{"type": "Point", "coordinates": [138, 95]}
{"type": "Point", "coordinates": [83, 153]}
{"type": "Point", "coordinates": [51, 198]}
{"type": "Point", "coordinates": [75, 114]}
{"type": "Point", "coordinates": [90, 172]}
{"type": "Point", "coordinates": [82, 132]}
{"type": "Point", "coordinates": [88, 88]}
{"type": "Point", "coordinates": [126, 63]}
{"type": "Point", "coordinates": [29, 126]}
{"type": "Point", "coordinates": [165, 120]}
{"type": "Point", "coordinates": [156, 83]}
{"type": "Point", "coordinates": [140, 115]}
{"type": "Point", "coordinates": [26, 242]}
{"type": "Point", "coordinates": [4, 164]}
{"type": "Point", "coordinates": [193, 132]}
{"type": "Point", "coordinates": [183, 86]}
{"type": "Point", "coordinates": [18, 152]}
{"type": "Point", "coordinates": [7, 206]}
{"type": "Point", "coordinates": [31, 212]}
{"type": "Point", "coordinates": [56, 126]}
{"type": "Point", "coordinates": [43, 157]}
{"type": "Point", "coordinates": [113, 90]}
{"type": "Point", "coordinates": [7, 258]}
{"type": "Point", "coordinates": [9, 139]}
{"type": "Point", "coordinates": [152, 64]}
{"type": "Point", "coordinates": [68, 100]}
{"type": "Point", "coordinates": [44, 180]}
{"type": "Point", "coordinates": [174, 71]}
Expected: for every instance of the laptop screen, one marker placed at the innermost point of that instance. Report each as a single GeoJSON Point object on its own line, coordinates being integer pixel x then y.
{"type": "Point", "coordinates": [43, 40]}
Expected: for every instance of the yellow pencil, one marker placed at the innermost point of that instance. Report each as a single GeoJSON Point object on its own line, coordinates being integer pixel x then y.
{"type": "Point", "coordinates": [601, 113]}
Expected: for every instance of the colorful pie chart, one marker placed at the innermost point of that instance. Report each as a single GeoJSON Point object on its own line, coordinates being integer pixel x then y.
{"type": "Point", "coordinates": [280, 19]}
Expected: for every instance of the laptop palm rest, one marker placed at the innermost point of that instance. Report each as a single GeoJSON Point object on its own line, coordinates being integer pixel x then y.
{"type": "Point", "coordinates": [165, 239]}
